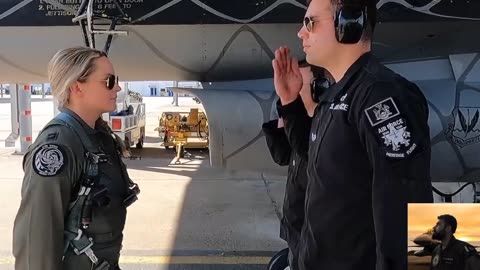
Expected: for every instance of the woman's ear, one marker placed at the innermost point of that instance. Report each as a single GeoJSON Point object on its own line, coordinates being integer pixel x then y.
{"type": "Point", "coordinates": [75, 88]}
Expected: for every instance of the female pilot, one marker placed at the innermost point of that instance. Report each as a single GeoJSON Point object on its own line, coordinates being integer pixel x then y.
{"type": "Point", "coordinates": [76, 188]}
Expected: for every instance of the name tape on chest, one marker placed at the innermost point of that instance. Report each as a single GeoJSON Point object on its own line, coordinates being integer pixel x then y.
{"type": "Point", "coordinates": [448, 260]}
{"type": "Point", "coordinates": [340, 106]}
{"type": "Point", "coordinates": [382, 111]}
{"type": "Point", "coordinates": [49, 160]}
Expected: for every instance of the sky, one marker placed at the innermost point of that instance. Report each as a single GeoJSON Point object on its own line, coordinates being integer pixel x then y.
{"type": "Point", "coordinates": [424, 216]}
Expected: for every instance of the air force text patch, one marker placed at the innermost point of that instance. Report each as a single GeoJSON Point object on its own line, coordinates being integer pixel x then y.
{"type": "Point", "coordinates": [395, 134]}
{"type": "Point", "coordinates": [382, 111]}
{"type": "Point", "coordinates": [49, 160]}
{"type": "Point", "coordinates": [396, 139]}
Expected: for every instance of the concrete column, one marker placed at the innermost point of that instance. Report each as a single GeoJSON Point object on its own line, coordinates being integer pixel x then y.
{"type": "Point", "coordinates": [25, 116]}
{"type": "Point", "coordinates": [12, 138]}
{"type": "Point", "coordinates": [175, 95]}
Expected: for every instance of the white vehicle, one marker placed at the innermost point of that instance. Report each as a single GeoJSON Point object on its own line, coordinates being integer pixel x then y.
{"type": "Point", "coordinates": [128, 121]}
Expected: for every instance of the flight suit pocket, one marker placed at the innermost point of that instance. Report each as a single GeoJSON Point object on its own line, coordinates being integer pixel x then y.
{"type": "Point", "coordinates": [319, 134]}
{"type": "Point", "coordinates": [103, 237]}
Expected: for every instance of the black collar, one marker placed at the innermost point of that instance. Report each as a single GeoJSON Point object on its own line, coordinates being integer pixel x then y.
{"type": "Point", "coordinates": [452, 242]}
{"type": "Point", "coordinates": [88, 129]}
{"type": "Point", "coordinates": [336, 88]}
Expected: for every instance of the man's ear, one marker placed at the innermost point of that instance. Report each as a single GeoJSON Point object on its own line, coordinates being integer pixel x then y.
{"type": "Point", "coordinates": [448, 228]}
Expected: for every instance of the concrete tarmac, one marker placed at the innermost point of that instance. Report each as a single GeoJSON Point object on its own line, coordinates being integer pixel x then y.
{"type": "Point", "coordinates": [188, 216]}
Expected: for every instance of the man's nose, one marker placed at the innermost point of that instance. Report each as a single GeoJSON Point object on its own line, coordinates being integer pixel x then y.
{"type": "Point", "coordinates": [302, 33]}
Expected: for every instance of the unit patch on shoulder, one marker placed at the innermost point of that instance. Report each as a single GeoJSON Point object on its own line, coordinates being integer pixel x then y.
{"type": "Point", "coordinates": [395, 134]}
{"type": "Point", "coordinates": [382, 111]}
{"type": "Point", "coordinates": [49, 160]}
{"type": "Point", "coordinates": [396, 139]}
{"type": "Point", "coordinates": [435, 260]}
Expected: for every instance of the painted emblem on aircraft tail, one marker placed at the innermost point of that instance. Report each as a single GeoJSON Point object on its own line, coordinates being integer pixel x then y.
{"type": "Point", "coordinates": [465, 129]}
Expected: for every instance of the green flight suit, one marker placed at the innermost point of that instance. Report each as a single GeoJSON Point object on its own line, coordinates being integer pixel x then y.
{"type": "Point", "coordinates": [54, 166]}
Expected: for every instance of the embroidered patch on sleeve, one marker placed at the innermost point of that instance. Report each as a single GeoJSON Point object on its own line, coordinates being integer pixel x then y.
{"type": "Point", "coordinates": [436, 260]}
{"type": "Point", "coordinates": [396, 138]}
{"type": "Point", "coordinates": [382, 111]}
{"type": "Point", "coordinates": [49, 160]}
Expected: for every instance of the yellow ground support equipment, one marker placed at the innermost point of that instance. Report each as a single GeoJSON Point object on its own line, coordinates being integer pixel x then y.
{"type": "Point", "coordinates": [183, 130]}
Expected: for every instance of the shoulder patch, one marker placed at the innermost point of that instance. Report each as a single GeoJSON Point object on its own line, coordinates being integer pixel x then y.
{"type": "Point", "coordinates": [52, 136]}
{"type": "Point", "coordinates": [49, 160]}
{"type": "Point", "coordinates": [382, 111]}
{"type": "Point", "coordinates": [396, 138]}
{"type": "Point", "coordinates": [470, 249]}
{"type": "Point", "coordinates": [435, 260]}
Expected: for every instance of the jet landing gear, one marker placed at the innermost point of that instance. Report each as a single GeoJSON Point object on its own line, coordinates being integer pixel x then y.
{"type": "Point", "coordinates": [86, 17]}
{"type": "Point", "coordinates": [279, 261]}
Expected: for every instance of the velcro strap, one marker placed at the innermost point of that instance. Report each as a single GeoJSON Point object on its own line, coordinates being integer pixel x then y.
{"type": "Point", "coordinates": [103, 266]}
{"type": "Point", "coordinates": [81, 245]}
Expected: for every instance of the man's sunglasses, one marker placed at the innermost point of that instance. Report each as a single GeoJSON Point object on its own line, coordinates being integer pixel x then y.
{"type": "Point", "coordinates": [112, 80]}
{"type": "Point", "coordinates": [308, 23]}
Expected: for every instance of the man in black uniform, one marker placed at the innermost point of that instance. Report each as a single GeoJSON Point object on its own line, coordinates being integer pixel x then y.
{"type": "Point", "coordinates": [369, 143]}
{"type": "Point", "coordinates": [452, 254]}
{"type": "Point", "coordinates": [281, 152]}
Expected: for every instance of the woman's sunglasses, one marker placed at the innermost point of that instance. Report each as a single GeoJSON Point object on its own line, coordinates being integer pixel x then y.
{"type": "Point", "coordinates": [112, 80]}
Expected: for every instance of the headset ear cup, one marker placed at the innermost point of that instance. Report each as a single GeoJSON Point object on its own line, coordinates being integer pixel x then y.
{"type": "Point", "coordinates": [312, 91]}
{"type": "Point", "coordinates": [318, 86]}
{"type": "Point", "coordinates": [337, 27]}
{"type": "Point", "coordinates": [349, 24]}
{"type": "Point", "coordinates": [365, 18]}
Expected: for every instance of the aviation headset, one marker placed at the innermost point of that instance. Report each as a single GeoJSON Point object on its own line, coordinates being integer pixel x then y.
{"type": "Point", "coordinates": [319, 83]}
{"type": "Point", "coordinates": [318, 87]}
{"type": "Point", "coordinates": [350, 21]}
